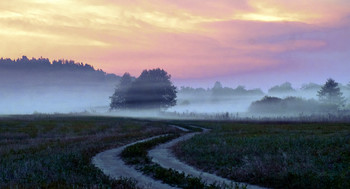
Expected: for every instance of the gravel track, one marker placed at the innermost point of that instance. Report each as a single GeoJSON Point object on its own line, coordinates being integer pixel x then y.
{"type": "Point", "coordinates": [111, 164]}
{"type": "Point", "coordinates": [163, 155]}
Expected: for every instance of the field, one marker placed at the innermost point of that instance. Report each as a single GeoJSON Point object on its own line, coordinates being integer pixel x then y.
{"type": "Point", "coordinates": [277, 155]}
{"type": "Point", "coordinates": [54, 151]}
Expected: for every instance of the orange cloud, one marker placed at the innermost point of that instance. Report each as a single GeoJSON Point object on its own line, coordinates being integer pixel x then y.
{"type": "Point", "coordinates": [198, 38]}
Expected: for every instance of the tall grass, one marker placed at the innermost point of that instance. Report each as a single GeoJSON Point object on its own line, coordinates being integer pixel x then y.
{"type": "Point", "coordinates": [288, 155]}
{"type": "Point", "coordinates": [57, 151]}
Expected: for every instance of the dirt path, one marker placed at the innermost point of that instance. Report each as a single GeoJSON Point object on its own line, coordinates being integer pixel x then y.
{"type": "Point", "coordinates": [165, 158]}
{"type": "Point", "coordinates": [112, 165]}
{"type": "Point", "coordinates": [181, 128]}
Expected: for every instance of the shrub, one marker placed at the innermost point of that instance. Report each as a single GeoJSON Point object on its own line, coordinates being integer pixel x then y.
{"type": "Point", "coordinates": [289, 105]}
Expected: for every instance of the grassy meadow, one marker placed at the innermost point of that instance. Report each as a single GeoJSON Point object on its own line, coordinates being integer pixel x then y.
{"type": "Point", "coordinates": [54, 151]}
{"type": "Point", "coordinates": [277, 155]}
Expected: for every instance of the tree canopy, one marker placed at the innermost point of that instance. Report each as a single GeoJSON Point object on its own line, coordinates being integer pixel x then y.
{"type": "Point", "coordinates": [119, 96]}
{"type": "Point", "coordinates": [24, 72]}
{"type": "Point", "coordinates": [330, 93]}
{"type": "Point", "coordinates": [153, 89]}
{"type": "Point", "coordinates": [291, 105]}
{"type": "Point", "coordinates": [283, 88]}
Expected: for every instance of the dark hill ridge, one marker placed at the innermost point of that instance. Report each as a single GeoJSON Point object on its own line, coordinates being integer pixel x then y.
{"type": "Point", "coordinates": [41, 71]}
{"type": "Point", "coordinates": [39, 85]}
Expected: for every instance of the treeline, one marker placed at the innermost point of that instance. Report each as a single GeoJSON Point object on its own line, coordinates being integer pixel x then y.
{"type": "Point", "coordinates": [42, 71]}
{"type": "Point", "coordinates": [330, 99]}
{"type": "Point", "coordinates": [290, 105]}
{"type": "Point", "coordinates": [220, 91]}
{"type": "Point", "coordinates": [286, 89]}
{"type": "Point", "coordinates": [44, 64]}
{"type": "Point", "coordinates": [41, 85]}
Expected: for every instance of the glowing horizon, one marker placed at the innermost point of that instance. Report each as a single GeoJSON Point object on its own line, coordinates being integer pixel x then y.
{"type": "Point", "coordinates": [192, 40]}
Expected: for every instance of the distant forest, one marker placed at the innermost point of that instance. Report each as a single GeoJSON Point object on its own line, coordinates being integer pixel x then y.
{"type": "Point", "coordinates": [36, 72]}
{"type": "Point", "coordinates": [283, 90]}
{"type": "Point", "coordinates": [219, 91]}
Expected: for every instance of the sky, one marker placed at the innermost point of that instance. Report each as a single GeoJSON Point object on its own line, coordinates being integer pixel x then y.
{"type": "Point", "coordinates": [257, 43]}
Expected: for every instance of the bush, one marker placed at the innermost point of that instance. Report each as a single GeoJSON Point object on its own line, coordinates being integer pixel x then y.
{"type": "Point", "coordinates": [289, 105]}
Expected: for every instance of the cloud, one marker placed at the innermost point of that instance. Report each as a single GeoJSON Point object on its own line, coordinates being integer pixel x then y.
{"type": "Point", "coordinates": [190, 39]}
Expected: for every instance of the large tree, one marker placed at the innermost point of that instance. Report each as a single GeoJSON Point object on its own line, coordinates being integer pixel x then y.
{"type": "Point", "coordinates": [153, 89]}
{"type": "Point", "coordinates": [330, 93]}
{"type": "Point", "coordinates": [119, 96]}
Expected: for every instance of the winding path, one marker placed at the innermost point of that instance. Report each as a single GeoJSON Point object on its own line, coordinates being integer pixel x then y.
{"type": "Point", "coordinates": [112, 165]}
{"type": "Point", "coordinates": [165, 158]}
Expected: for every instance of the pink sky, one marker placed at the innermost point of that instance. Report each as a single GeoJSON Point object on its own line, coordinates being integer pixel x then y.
{"type": "Point", "coordinates": [248, 42]}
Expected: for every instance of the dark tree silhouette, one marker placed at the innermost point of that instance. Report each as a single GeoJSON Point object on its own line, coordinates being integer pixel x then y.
{"type": "Point", "coordinates": [34, 72]}
{"type": "Point", "coordinates": [192, 91]}
{"type": "Point", "coordinates": [330, 93]}
{"type": "Point", "coordinates": [217, 86]}
{"type": "Point", "coordinates": [310, 87]}
{"type": "Point", "coordinates": [242, 91]}
{"type": "Point", "coordinates": [151, 90]}
{"type": "Point", "coordinates": [118, 98]}
{"type": "Point", "coordinates": [44, 64]}
{"type": "Point", "coordinates": [217, 91]}
{"type": "Point", "coordinates": [289, 105]}
{"type": "Point", "coordinates": [283, 88]}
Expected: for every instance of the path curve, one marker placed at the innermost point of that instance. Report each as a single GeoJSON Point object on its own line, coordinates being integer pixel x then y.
{"type": "Point", "coordinates": [112, 165]}
{"type": "Point", "coordinates": [162, 155]}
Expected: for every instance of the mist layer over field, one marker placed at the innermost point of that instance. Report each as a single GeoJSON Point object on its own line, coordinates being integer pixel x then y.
{"type": "Point", "coordinates": [94, 98]}
{"type": "Point", "coordinates": [239, 100]}
{"type": "Point", "coordinates": [54, 100]}
{"type": "Point", "coordinates": [64, 86]}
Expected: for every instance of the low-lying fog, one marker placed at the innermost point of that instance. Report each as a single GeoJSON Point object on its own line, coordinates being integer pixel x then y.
{"type": "Point", "coordinates": [39, 86]}
{"type": "Point", "coordinates": [55, 100]}
{"type": "Point", "coordinates": [82, 98]}
{"type": "Point", "coordinates": [63, 86]}
{"type": "Point", "coordinates": [223, 99]}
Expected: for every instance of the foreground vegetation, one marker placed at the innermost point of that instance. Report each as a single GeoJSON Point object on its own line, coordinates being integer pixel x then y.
{"type": "Point", "coordinates": [278, 155]}
{"type": "Point", "coordinates": [54, 151]}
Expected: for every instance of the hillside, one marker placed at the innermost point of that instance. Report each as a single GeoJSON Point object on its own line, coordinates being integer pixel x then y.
{"type": "Point", "coordinates": [39, 85]}
{"type": "Point", "coordinates": [38, 72]}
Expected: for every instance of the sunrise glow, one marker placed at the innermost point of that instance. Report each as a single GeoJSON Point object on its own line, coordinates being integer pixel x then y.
{"type": "Point", "coordinates": [190, 39]}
